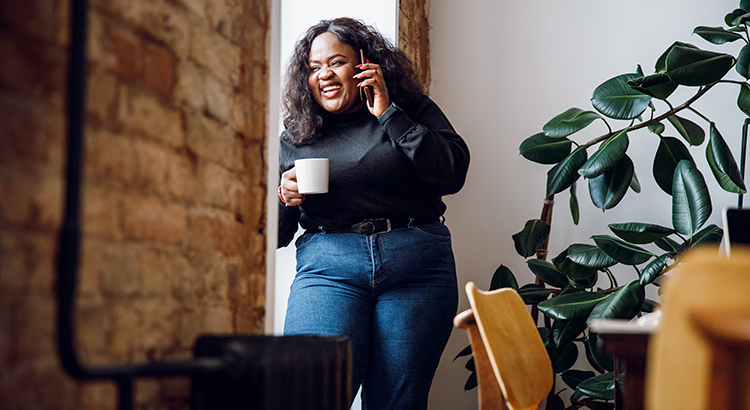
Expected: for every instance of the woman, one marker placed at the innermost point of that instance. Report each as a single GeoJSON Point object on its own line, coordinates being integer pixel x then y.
{"type": "Point", "coordinates": [375, 262]}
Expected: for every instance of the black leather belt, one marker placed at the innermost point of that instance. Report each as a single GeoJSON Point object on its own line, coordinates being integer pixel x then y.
{"type": "Point", "coordinates": [373, 226]}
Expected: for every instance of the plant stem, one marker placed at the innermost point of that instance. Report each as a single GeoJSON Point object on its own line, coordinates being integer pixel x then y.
{"type": "Point", "coordinates": [644, 124]}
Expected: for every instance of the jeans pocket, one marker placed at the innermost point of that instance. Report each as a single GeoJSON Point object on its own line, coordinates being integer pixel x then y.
{"type": "Point", "coordinates": [304, 240]}
{"type": "Point", "coordinates": [435, 230]}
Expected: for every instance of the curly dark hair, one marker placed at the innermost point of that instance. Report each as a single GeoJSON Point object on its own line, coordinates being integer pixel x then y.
{"type": "Point", "coordinates": [303, 117]}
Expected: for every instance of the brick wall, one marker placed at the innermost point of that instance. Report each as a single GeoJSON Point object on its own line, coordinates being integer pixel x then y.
{"type": "Point", "coordinates": [174, 195]}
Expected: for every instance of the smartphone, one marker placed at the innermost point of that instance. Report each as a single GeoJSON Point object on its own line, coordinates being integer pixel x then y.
{"type": "Point", "coordinates": [365, 93]}
{"type": "Point", "coordinates": [736, 227]}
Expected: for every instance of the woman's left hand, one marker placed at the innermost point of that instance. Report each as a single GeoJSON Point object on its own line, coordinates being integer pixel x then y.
{"type": "Point", "coordinates": [372, 75]}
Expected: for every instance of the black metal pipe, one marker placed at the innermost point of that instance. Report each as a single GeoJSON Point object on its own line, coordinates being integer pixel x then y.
{"type": "Point", "coordinates": [69, 244]}
{"type": "Point", "coordinates": [743, 154]}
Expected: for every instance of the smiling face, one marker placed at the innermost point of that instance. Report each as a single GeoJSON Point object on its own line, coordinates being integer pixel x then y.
{"type": "Point", "coordinates": [332, 68]}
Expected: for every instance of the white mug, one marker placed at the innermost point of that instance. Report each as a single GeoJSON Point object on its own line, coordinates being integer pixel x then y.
{"type": "Point", "coordinates": [312, 175]}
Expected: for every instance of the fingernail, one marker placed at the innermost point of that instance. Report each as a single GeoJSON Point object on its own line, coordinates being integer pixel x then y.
{"type": "Point", "coordinates": [359, 66]}
{"type": "Point", "coordinates": [368, 60]}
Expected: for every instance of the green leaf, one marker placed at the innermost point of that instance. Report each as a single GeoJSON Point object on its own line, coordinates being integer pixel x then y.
{"type": "Point", "coordinates": [590, 256]}
{"type": "Point", "coordinates": [598, 360]}
{"type": "Point", "coordinates": [574, 208]}
{"type": "Point", "coordinates": [693, 67]}
{"type": "Point", "coordinates": [563, 358]}
{"type": "Point", "coordinates": [600, 405]}
{"type": "Point", "coordinates": [635, 185]}
{"type": "Point", "coordinates": [607, 156]}
{"type": "Point", "coordinates": [689, 130]}
{"type": "Point", "coordinates": [653, 269]}
{"type": "Point", "coordinates": [471, 382]}
{"type": "Point", "coordinates": [670, 152]}
{"type": "Point", "coordinates": [545, 150]}
{"type": "Point", "coordinates": [608, 189]}
{"type": "Point", "coordinates": [669, 245]}
{"type": "Point", "coordinates": [569, 122]}
{"type": "Point", "coordinates": [531, 238]}
{"type": "Point", "coordinates": [656, 127]}
{"type": "Point", "coordinates": [661, 62]}
{"type": "Point", "coordinates": [722, 163]}
{"type": "Point", "coordinates": [586, 283]}
{"type": "Point", "coordinates": [503, 278]}
{"type": "Point", "coordinates": [566, 331]}
{"type": "Point", "coordinates": [532, 293]}
{"type": "Point", "coordinates": [650, 306]}
{"type": "Point", "coordinates": [623, 304]}
{"type": "Point", "coordinates": [621, 251]}
{"type": "Point", "coordinates": [557, 403]}
{"type": "Point", "coordinates": [657, 85]}
{"type": "Point", "coordinates": [571, 306]}
{"type": "Point", "coordinates": [573, 377]}
{"type": "Point", "coordinates": [547, 272]}
{"type": "Point", "coordinates": [710, 235]}
{"type": "Point", "coordinates": [691, 202]}
{"type": "Point", "coordinates": [745, 5]}
{"type": "Point", "coordinates": [615, 99]}
{"type": "Point", "coordinates": [740, 18]}
{"type": "Point", "coordinates": [743, 62]}
{"type": "Point", "coordinates": [565, 173]}
{"type": "Point", "coordinates": [743, 100]}
{"type": "Point", "coordinates": [716, 35]}
{"type": "Point", "coordinates": [731, 17]}
{"type": "Point", "coordinates": [599, 387]}
{"type": "Point", "coordinates": [640, 233]}
{"type": "Point", "coordinates": [572, 269]}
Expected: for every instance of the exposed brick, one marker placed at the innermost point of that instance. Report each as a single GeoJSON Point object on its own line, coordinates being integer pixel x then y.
{"type": "Point", "coordinates": [148, 219]}
{"type": "Point", "coordinates": [212, 141]}
{"type": "Point", "coordinates": [34, 321]}
{"type": "Point", "coordinates": [36, 18]}
{"type": "Point", "coordinates": [218, 228]}
{"type": "Point", "coordinates": [30, 198]}
{"type": "Point", "coordinates": [110, 158]}
{"type": "Point", "coordinates": [189, 87]}
{"type": "Point", "coordinates": [32, 68]}
{"type": "Point", "coordinates": [219, 99]}
{"type": "Point", "coordinates": [27, 263]}
{"type": "Point", "coordinates": [92, 327]}
{"type": "Point", "coordinates": [145, 115]}
{"type": "Point", "coordinates": [29, 130]}
{"type": "Point", "coordinates": [158, 69]}
{"type": "Point", "coordinates": [102, 212]}
{"type": "Point", "coordinates": [151, 167]}
{"type": "Point", "coordinates": [119, 270]}
{"type": "Point", "coordinates": [155, 269]}
{"type": "Point", "coordinates": [218, 54]}
{"type": "Point", "coordinates": [101, 97]}
{"type": "Point", "coordinates": [98, 395]}
{"type": "Point", "coordinates": [182, 176]}
{"type": "Point", "coordinates": [124, 48]}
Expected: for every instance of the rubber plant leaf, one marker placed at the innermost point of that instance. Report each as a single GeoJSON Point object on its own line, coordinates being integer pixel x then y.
{"type": "Point", "coordinates": [623, 304]}
{"type": "Point", "coordinates": [635, 184]}
{"type": "Point", "coordinates": [670, 152]}
{"type": "Point", "coordinates": [571, 306]}
{"type": "Point", "coordinates": [545, 150]}
{"type": "Point", "coordinates": [693, 67]}
{"type": "Point", "coordinates": [621, 251]}
{"type": "Point", "coordinates": [669, 245]}
{"type": "Point", "coordinates": [640, 233]}
{"type": "Point", "coordinates": [503, 278]}
{"type": "Point", "coordinates": [563, 358]}
{"type": "Point", "coordinates": [731, 17]}
{"type": "Point", "coordinates": [716, 35]}
{"type": "Point", "coordinates": [691, 202]}
{"type": "Point", "coordinates": [740, 18]}
{"type": "Point", "coordinates": [573, 377]}
{"type": "Point", "coordinates": [608, 189]}
{"type": "Point", "coordinates": [599, 387]}
{"type": "Point", "coordinates": [586, 283]}
{"type": "Point", "coordinates": [743, 100]}
{"type": "Point", "coordinates": [532, 293]}
{"type": "Point", "coordinates": [657, 85]}
{"type": "Point", "coordinates": [566, 331]}
{"type": "Point", "coordinates": [565, 173]}
{"type": "Point", "coordinates": [710, 235]}
{"type": "Point", "coordinates": [745, 5]}
{"type": "Point", "coordinates": [615, 99]}
{"type": "Point", "coordinates": [656, 128]}
{"type": "Point", "coordinates": [569, 122]}
{"type": "Point", "coordinates": [722, 163]}
{"type": "Point", "coordinates": [572, 269]}
{"type": "Point", "coordinates": [574, 208]}
{"type": "Point", "coordinates": [610, 152]}
{"type": "Point", "coordinates": [661, 62]}
{"type": "Point", "coordinates": [590, 256]}
{"type": "Point", "coordinates": [690, 131]}
{"type": "Point", "coordinates": [547, 272]}
{"type": "Point", "coordinates": [598, 360]}
{"type": "Point", "coordinates": [653, 269]}
{"type": "Point", "coordinates": [531, 238]}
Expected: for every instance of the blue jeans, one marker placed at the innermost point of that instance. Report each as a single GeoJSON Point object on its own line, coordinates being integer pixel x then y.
{"type": "Point", "coordinates": [393, 294]}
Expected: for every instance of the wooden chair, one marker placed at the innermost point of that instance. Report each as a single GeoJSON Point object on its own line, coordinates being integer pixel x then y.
{"type": "Point", "coordinates": [697, 303]}
{"type": "Point", "coordinates": [511, 362]}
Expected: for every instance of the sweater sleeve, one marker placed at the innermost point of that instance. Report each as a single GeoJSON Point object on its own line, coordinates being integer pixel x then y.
{"type": "Point", "coordinates": [439, 154]}
{"type": "Point", "coordinates": [288, 223]}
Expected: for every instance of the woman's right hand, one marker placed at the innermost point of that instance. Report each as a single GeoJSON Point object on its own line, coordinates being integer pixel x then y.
{"type": "Point", "coordinates": [289, 188]}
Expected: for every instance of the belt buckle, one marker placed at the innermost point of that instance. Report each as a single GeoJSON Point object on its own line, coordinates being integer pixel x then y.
{"type": "Point", "coordinates": [387, 225]}
{"type": "Point", "coordinates": [368, 227]}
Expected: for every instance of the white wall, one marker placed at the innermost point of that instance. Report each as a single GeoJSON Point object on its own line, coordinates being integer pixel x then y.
{"type": "Point", "coordinates": [500, 70]}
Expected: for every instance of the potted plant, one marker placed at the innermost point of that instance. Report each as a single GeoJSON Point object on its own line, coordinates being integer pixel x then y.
{"type": "Point", "coordinates": [578, 285]}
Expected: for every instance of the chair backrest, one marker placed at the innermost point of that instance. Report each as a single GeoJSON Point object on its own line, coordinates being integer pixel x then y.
{"type": "Point", "coordinates": [678, 371]}
{"type": "Point", "coordinates": [516, 350]}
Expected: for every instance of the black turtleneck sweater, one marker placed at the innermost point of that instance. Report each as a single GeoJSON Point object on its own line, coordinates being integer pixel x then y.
{"type": "Point", "coordinates": [398, 169]}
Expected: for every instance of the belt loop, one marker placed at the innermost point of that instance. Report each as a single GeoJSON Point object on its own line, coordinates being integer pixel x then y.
{"type": "Point", "coordinates": [322, 229]}
{"type": "Point", "coordinates": [411, 221]}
